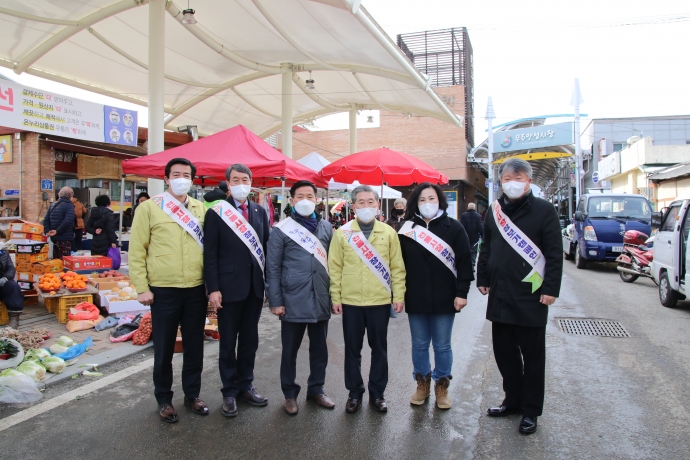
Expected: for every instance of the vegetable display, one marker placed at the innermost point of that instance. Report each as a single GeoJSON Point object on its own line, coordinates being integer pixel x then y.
{"type": "Point", "coordinates": [54, 364]}
{"type": "Point", "coordinates": [28, 340]}
{"type": "Point", "coordinates": [143, 334]}
{"type": "Point", "coordinates": [33, 370]}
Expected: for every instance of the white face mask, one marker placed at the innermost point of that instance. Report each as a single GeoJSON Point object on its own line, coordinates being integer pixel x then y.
{"type": "Point", "coordinates": [428, 210]}
{"type": "Point", "coordinates": [514, 189]}
{"type": "Point", "coordinates": [305, 207]}
{"type": "Point", "coordinates": [240, 192]}
{"type": "Point", "coordinates": [180, 186]}
{"type": "Point", "coordinates": [366, 215]}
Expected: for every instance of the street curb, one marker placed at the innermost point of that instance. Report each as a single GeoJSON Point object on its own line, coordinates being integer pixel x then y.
{"type": "Point", "coordinates": [101, 359]}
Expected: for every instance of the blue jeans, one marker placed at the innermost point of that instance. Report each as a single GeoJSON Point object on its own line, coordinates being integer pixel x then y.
{"type": "Point", "coordinates": [433, 329]}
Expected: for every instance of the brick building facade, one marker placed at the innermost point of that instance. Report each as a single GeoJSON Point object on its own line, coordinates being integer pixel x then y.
{"type": "Point", "coordinates": [433, 141]}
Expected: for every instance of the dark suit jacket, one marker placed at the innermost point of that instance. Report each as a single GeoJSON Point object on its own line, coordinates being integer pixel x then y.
{"type": "Point", "coordinates": [228, 265]}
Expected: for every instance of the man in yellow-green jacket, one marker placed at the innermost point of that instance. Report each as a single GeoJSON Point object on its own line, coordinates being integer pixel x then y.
{"type": "Point", "coordinates": [166, 264]}
{"type": "Point", "coordinates": [367, 272]}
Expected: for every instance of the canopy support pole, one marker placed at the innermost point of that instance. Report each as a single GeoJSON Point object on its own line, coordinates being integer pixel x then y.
{"type": "Point", "coordinates": [122, 205]}
{"type": "Point", "coordinates": [283, 199]}
{"type": "Point", "coordinates": [156, 83]}
{"type": "Point", "coordinates": [490, 115]}
{"type": "Point", "coordinates": [286, 100]}
{"type": "Point", "coordinates": [353, 131]}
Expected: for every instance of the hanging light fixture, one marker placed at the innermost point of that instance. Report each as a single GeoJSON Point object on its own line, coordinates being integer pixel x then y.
{"type": "Point", "coordinates": [188, 16]}
{"type": "Point", "coordinates": [310, 83]}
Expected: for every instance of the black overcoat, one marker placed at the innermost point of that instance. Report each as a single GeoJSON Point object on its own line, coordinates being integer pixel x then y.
{"type": "Point", "coordinates": [502, 269]}
{"type": "Point", "coordinates": [430, 286]}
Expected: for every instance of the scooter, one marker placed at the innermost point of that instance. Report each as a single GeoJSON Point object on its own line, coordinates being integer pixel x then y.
{"type": "Point", "coordinates": [636, 258]}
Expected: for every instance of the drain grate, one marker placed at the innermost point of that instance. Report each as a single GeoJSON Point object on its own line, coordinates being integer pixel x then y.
{"type": "Point", "coordinates": [592, 327]}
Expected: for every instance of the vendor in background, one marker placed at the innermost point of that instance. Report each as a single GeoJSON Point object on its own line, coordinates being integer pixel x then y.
{"type": "Point", "coordinates": [127, 219]}
{"type": "Point", "coordinates": [143, 196]}
{"type": "Point", "coordinates": [102, 225]}
{"type": "Point", "coordinates": [10, 293]}
{"type": "Point", "coordinates": [166, 264]}
{"type": "Point", "coordinates": [396, 219]}
{"type": "Point", "coordinates": [59, 223]}
{"type": "Point", "coordinates": [79, 213]}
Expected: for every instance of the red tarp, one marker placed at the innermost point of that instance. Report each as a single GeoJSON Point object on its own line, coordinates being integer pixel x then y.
{"type": "Point", "coordinates": [213, 154]}
{"type": "Point", "coordinates": [382, 165]}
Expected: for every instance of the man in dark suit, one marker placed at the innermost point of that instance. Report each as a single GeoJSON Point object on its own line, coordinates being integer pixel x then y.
{"type": "Point", "coordinates": [235, 282]}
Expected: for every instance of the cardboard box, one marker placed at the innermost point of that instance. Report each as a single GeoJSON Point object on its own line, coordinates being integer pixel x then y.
{"type": "Point", "coordinates": [25, 285]}
{"type": "Point", "coordinates": [104, 284]}
{"type": "Point", "coordinates": [30, 277]}
{"type": "Point", "coordinates": [25, 268]}
{"type": "Point", "coordinates": [125, 306]}
{"type": "Point", "coordinates": [27, 236]}
{"type": "Point", "coordinates": [24, 226]}
{"type": "Point", "coordinates": [35, 248]}
{"type": "Point", "coordinates": [32, 258]}
{"type": "Point", "coordinates": [87, 262]}
{"type": "Point", "coordinates": [49, 266]}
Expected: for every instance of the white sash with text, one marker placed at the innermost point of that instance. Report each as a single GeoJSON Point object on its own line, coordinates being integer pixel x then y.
{"type": "Point", "coordinates": [431, 243]}
{"type": "Point", "coordinates": [305, 239]}
{"type": "Point", "coordinates": [181, 215]}
{"type": "Point", "coordinates": [368, 254]}
{"type": "Point", "coordinates": [245, 232]}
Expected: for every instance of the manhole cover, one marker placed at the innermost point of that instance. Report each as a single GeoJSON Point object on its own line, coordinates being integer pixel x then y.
{"type": "Point", "coordinates": [593, 327]}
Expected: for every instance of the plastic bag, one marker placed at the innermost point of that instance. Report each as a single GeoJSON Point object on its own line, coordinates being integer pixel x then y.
{"type": "Point", "coordinates": [114, 253]}
{"type": "Point", "coordinates": [107, 323]}
{"type": "Point", "coordinates": [18, 389]}
{"type": "Point", "coordinates": [76, 350]}
{"type": "Point", "coordinates": [83, 311]}
{"type": "Point", "coordinates": [74, 326]}
{"type": "Point", "coordinates": [17, 360]}
{"type": "Point", "coordinates": [124, 332]}
{"type": "Point", "coordinates": [143, 334]}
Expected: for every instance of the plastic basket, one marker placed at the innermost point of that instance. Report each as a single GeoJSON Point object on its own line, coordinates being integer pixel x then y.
{"type": "Point", "coordinates": [4, 317]}
{"type": "Point", "coordinates": [51, 304]}
{"type": "Point", "coordinates": [67, 302]}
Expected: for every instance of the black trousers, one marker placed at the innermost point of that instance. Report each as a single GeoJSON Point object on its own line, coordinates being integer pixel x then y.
{"type": "Point", "coordinates": [521, 358]}
{"type": "Point", "coordinates": [291, 335]}
{"type": "Point", "coordinates": [11, 295]}
{"type": "Point", "coordinates": [373, 320]}
{"type": "Point", "coordinates": [78, 235]}
{"type": "Point", "coordinates": [173, 307]}
{"type": "Point", "coordinates": [238, 325]}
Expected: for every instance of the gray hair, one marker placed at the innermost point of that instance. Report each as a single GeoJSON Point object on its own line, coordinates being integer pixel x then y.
{"type": "Point", "coordinates": [515, 165]}
{"type": "Point", "coordinates": [66, 192]}
{"type": "Point", "coordinates": [363, 188]}
{"type": "Point", "coordinates": [471, 206]}
{"type": "Point", "coordinates": [401, 201]}
{"type": "Point", "coordinates": [240, 168]}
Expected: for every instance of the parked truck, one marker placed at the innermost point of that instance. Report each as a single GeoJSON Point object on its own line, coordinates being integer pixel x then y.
{"type": "Point", "coordinates": [601, 220]}
{"type": "Point", "coordinates": [669, 267]}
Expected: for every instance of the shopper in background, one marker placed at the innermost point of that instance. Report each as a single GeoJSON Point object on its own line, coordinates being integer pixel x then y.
{"type": "Point", "coordinates": [166, 264]}
{"type": "Point", "coordinates": [472, 221]}
{"type": "Point", "coordinates": [297, 286]}
{"type": "Point", "coordinates": [79, 213]}
{"type": "Point", "coordinates": [234, 276]}
{"type": "Point", "coordinates": [143, 196]}
{"type": "Point", "coordinates": [103, 226]}
{"type": "Point", "coordinates": [127, 219]}
{"type": "Point", "coordinates": [367, 272]}
{"type": "Point", "coordinates": [10, 293]}
{"type": "Point", "coordinates": [59, 223]}
{"type": "Point", "coordinates": [397, 217]}
{"type": "Point", "coordinates": [219, 193]}
{"type": "Point", "coordinates": [439, 272]}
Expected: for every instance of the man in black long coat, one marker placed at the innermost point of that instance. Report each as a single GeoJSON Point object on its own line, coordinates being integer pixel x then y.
{"type": "Point", "coordinates": [472, 221]}
{"type": "Point", "coordinates": [518, 298]}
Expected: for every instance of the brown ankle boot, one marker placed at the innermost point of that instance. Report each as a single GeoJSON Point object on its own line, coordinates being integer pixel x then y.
{"type": "Point", "coordinates": [14, 319]}
{"type": "Point", "coordinates": [441, 390]}
{"type": "Point", "coordinates": [423, 389]}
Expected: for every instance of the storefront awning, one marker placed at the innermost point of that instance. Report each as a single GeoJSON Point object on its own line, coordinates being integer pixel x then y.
{"type": "Point", "coordinates": [94, 148]}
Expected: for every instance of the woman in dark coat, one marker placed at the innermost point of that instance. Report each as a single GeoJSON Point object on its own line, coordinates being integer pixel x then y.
{"type": "Point", "coordinates": [102, 225]}
{"type": "Point", "coordinates": [434, 293]}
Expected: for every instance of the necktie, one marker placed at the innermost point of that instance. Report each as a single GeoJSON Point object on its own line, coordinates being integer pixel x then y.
{"type": "Point", "coordinates": [245, 214]}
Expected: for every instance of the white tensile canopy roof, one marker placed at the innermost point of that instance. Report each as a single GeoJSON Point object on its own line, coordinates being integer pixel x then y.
{"type": "Point", "coordinates": [317, 162]}
{"type": "Point", "coordinates": [226, 69]}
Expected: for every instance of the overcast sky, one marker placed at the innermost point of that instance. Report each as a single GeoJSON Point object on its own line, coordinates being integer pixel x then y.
{"type": "Point", "coordinates": [632, 57]}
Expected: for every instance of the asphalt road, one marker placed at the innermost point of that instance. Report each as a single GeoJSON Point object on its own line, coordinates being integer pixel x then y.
{"type": "Point", "coordinates": [605, 397]}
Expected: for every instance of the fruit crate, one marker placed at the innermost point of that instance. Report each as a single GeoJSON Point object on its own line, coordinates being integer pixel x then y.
{"type": "Point", "coordinates": [51, 304]}
{"type": "Point", "coordinates": [67, 302]}
{"type": "Point", "coordinates": [4, 317]}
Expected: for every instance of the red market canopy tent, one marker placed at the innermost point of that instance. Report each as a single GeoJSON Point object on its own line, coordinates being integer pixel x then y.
{"type": "Point", "coordinates": [213, 154]}
{"type": "Point", "coordinates": [379, 166]}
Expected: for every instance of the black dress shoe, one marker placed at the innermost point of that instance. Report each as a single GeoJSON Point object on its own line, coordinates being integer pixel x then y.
{"type": "Point", "coordinates": [230, 407]}
{"type": "Point", "coordinates": [197, 405]}
{"type": "Point", "coordinates": [254, 398]}
{"type": "Point", "coordinates": [167, 413]}
{"type": "Point", "coordinates": [528, 425]}
{"type": "Point", "coordinates": [353, 405]}
{"type": "Point", "coordinates": [379, 404]}
{"type": "Point", "coordinates": [501, 411]}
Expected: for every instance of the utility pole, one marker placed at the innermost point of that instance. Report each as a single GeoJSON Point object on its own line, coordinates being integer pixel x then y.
{"type": "Point", "coordinates": [575, 101]}
{"type": "Point", "coordinates": [490, 115]}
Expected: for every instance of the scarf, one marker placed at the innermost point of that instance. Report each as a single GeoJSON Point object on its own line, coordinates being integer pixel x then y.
{"type": "Point", "coordinates": [309, 223]}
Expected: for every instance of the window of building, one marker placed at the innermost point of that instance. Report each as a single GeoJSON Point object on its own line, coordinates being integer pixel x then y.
{"type": "Point", "coordinates": [618, 146]}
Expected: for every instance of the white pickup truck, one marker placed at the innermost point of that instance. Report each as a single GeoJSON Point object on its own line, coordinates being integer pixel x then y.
{"type": "Point", "coordinates": [671, 255]}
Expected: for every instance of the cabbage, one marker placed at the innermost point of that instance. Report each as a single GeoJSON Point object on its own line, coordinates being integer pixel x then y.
{"type": "Point", "coordinates": [32, 358]}
{"type": "Point", "coordinates": [57, 348]}
{"type": "Point", "coordinates": [36, 355]}
{"type": "Point", "coordinates": [65, 341]}
{"type": "Point", "coordinates": [10, 373]}
{"type": "Point", "coordinates": [71, 361]}
{"type": "Point", "coordinates": [33, 370]}
{"type": "Point", "coordinates": [54, 364]}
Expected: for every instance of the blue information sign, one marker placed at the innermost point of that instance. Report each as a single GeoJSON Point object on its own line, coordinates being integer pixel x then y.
{"type": "Point", "coordinates": [12, 192]}
{"type": "Point", "coordinates": [47, 184]}
{"type": "Point", "coordinates": [120, 126]}
{"type": "Point", "coordinates": [534, 138]}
